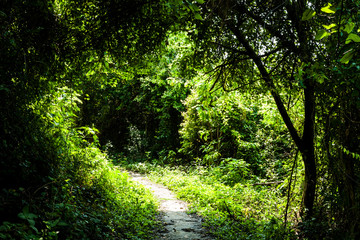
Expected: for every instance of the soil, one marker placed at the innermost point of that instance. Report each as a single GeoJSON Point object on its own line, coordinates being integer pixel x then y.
{"type": "Point", "coordinates": [177, 223]}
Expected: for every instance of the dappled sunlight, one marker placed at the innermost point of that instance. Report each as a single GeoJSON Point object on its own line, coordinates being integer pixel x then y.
{"type": "Point", "coordinates": [247, 110]}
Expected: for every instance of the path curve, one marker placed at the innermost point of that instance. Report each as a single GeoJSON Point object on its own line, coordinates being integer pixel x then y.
{"type": "Point", "coordinates": [178, 224]}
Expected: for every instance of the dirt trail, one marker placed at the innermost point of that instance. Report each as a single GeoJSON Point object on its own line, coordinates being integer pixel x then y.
{"type": "Point", "coordinates": [178, 224]}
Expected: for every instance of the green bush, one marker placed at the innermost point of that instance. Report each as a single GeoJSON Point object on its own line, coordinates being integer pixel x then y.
{"type": "Point", "coordinates": [221, 125]}
{"type": "Point", "coordinates": [82, 195]}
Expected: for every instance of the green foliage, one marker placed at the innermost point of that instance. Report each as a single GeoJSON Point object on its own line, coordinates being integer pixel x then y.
{"type": "Point", "coordinates": [308, 14]}
{"type": "Point", "coordinates": [344, 27]}
{"type": "Point", "coordinates": [137, 110]}
{"type": "Point", "coordinates": [337, 113]}
{"type": "Point", "coordinates": [240, 211]}
{"type": "Point", "coordinates": [223, 126]}
{"type": "Point", "coordinates": [68, 68]}
{"type": "Point", "coordinates": [85, 196]}
{"type": "Point", "coordinates": [231, 171]}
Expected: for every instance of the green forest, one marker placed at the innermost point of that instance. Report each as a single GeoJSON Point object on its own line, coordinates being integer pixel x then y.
{"type": "Point", "coordinates": [249, 110]}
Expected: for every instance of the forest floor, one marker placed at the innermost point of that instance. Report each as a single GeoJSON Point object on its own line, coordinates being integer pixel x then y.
{"type": "Point", "coordinates": [177, 223]}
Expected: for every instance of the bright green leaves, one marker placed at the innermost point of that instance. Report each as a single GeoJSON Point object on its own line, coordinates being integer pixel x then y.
{"type": "Point", "coordinates": [308, 14]}
{"type": "Point", "coordinates": [346, 28]}
{"type": "Point", "coordinates": [196, 10]}
{"type": "Point", "coordinates": [198, 16]}
{"type": "Point", "coordinates": [184, 8]}
{"type": "Point", "coordinates": [317, 72]}
{"type": "Point", "coordinates": [347, 56]}
{"type": "Point", "coordinates": [352, 38]}
{"type": "Point", "coordinates": [349, 27]}
{"type": "Point", "coordinates": [328, 9]}
{"type": "Point", "coordinates": [321, 34]}
{"type": "Point", "coordinates": [328, 27]}
{"type": "Point", "coordinates": [348, 152]}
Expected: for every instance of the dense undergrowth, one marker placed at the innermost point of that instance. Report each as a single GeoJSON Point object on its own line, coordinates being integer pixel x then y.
{"type": "Point", "coordinates": [71, 190]}
{"type": "Point", "coordinates": [175, 83]}
{"type": "Point", "coordinates": [239, 210]}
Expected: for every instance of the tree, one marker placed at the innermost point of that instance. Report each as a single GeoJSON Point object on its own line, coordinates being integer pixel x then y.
{"type": "Point", "coordinates": [338, 111]}
{"type": "Point", "coordinates": [46, 44]}
{"type": "Point", "coordinates": [267, 44]}
{"type": "Point", "coordinates": [46, 49]}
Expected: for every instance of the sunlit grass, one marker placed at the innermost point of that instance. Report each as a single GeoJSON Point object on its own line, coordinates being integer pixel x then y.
{"type": "Point", "coordinates": [241, 211]}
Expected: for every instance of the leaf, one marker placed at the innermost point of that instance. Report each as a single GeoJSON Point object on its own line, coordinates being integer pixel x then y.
{"type": "Point", "coordinates": [195, 8]}
{"type": "Point", "coordinates": [302, 83]}
{"type": "Point", "coordinates": [90, 72]}
{"type": "Point", "coordinates": [2, 14]}
{"type": "Point", "coordinates": [34, 228]}
{"type": "Point", "coordinates": [198, 16]}
{"type": "Point", "coordinates": [25, 211]}
{"type": "Point", "coordinates": [352, 37]}
{"type": "Point", "coordinates": [349, 27]}
{"type": "Point", "coordinates": [4, 88]}
{"type": "Point", "coordinates": [329, 26]}
{"type": "Point", "coordinates": [200, 1]}
{"type": "Point", "coordinates": [22, 216]}
{"type": "Point", "coordinates": [31, 216]}
{"type": "Point", "coordinates": [334, 30]}
{"type": "Point", "coordinates": [321, 34]}
{"type": "Point", "coordinates": [347, 57]}
{"type": "Point", "coordinates": [62, 223]}
{"type": "Point", "coordinates": [328, 9]}
{"type": "Point", "coordinates": [31, 222]}
{"type": "Point", "coordinates": [308, 14]}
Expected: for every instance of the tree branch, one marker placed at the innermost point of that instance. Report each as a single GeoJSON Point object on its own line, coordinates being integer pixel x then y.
{"type": "Point", "coordinates": [230, 48]}
{"type": "Point", "coordinates": [273, 31]}
{"type": "Point", "coordinates": [269, 83]}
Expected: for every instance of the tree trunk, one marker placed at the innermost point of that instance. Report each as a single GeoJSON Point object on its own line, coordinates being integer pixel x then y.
{"type": "Point", "coordinates": [310, 181]}
{"type": "Point", "coordinates": [305, 143]}
{"type": "Point", "coordinates": [350, 142]}
{"type": "Point", "coordinates": [308, 150]}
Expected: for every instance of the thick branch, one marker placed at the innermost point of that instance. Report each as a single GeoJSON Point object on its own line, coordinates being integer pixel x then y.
{"type": "Point", "coordinates": [273, 31]}
{"type": "Point", "coordinates": [269, 83]}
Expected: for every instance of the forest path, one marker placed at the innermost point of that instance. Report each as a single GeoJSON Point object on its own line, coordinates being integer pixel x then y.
{"type": "Point", "coordinates": [177, 223]}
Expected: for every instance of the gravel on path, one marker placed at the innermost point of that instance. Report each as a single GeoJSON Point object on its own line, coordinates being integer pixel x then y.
{"type": "Point", "coordinates": [177, 223]}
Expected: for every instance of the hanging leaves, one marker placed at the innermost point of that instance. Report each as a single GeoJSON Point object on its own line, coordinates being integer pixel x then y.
{"type": "Point", "coordinates": [198, 16]}
{"type": "Point", "coordinates": [349, 27]}
{"type": "Point", "coordinates": [308, 14]}
{"type": "Point", "coordinates": [321, 34]}
{"type": "Point", "coordinates": [329, 29]}
{"type": "Point", "coordinates": [352, 38]}
{"type": "Point", "coordinates": [329, 26]}
{"type": "Point", "coordinates": [328, 9]}
{"type": "Point", "coordinates": [348, 56]}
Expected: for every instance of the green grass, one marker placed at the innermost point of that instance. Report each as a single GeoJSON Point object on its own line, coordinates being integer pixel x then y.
{"type": "Point", "coordinates": [89, 199]}
{"type": "Point", "coordinates": [231, 211]}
